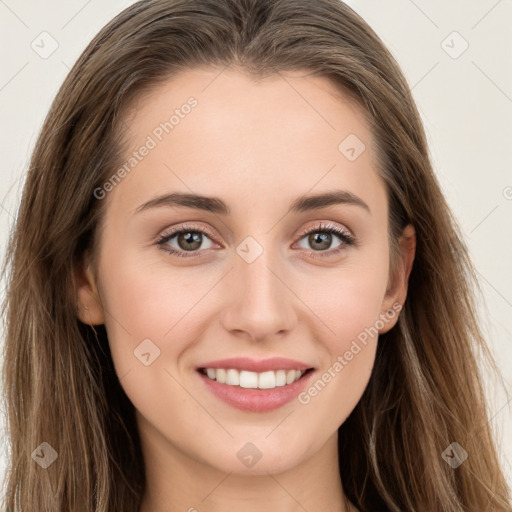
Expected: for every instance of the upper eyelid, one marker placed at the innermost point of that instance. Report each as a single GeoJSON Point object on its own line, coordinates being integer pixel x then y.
{"type": "Point", "coordinates": [171, 232]}
{"type": "Point", "coordinates": [342, 233]}
{"type": "Point", "coordinates": [320, 226]}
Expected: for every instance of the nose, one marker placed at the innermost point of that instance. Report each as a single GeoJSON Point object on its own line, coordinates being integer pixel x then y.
{"type": "Point", "coordinates": [259, 301]}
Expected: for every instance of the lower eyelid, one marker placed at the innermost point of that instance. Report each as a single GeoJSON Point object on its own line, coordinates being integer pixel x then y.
{"type": "Point", "coordinates": [337, 232]}
{"type": "Point", "coordinates": [165, 239]}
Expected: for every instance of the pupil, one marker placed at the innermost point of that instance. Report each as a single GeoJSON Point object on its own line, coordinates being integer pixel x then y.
{"type": "Point", "coordinates": [190, 238]}
{"type": "Point", "coordinates": [324, 239]}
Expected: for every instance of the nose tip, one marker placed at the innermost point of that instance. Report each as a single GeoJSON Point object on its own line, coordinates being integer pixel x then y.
{"type": "Point", "coordinates": [259, 301]}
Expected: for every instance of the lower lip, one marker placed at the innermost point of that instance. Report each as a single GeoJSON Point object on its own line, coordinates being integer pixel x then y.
{"type": "Point", "coordinates": [256, 400]}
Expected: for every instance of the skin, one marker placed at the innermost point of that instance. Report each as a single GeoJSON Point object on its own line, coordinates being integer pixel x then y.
{"type": "Point", "coordinates": [258, 146]}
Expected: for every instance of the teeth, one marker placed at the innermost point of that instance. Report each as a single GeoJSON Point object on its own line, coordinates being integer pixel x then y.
{"type": "Point", "coordinates": [267, 380]}
{"type": "Point", "coordinates": [220, 376]}
{"type": "Point", "coordinates": [232, 378]}
{"type": "Point", "coordinates": [280, 377]}
{"type": "Point", "coordinates": [248, 379]}
{"type": "Point", "coordinates": [253, 380]}
{"type": "Point", "coordinates": [290, 376]}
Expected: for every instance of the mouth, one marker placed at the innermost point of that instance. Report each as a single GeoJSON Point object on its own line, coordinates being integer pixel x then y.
{"type": "Point", "coordinates": [255, 392]}
{"type": "Point", "coordinates": [246, 379]}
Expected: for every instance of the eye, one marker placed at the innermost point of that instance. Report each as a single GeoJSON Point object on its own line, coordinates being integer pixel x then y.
{"type": "Point", "coordinates": [320, 238]}
{"type": "Point", "coordinates": [189, 239]}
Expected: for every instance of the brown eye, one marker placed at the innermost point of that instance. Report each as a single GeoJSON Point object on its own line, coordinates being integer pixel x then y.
{"type": "Point", "coordinates": [189, 240]}
{"type": "Point", "coordinates": [320, 241]}
{"type": "Point", "coordinates": [186, 239]}
{"type": "Point", "coordinates": [321, 238]}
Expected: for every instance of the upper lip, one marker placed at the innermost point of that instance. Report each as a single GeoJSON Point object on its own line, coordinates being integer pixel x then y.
{"type": "Point", "coordinates": [255, 365]}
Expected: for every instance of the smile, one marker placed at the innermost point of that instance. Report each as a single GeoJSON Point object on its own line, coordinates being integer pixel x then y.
{"type": "Point", "coordinates": [253, 380]}
{"type": "Point", "coordinates": [255, 392]}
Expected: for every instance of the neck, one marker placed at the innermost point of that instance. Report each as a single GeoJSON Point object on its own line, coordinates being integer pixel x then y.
{"type": "Point", "coordinates": [176, 481]}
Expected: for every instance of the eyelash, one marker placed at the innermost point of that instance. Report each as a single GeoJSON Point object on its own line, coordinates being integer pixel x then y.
{"type": "Point", "coordinates": [346, 238]}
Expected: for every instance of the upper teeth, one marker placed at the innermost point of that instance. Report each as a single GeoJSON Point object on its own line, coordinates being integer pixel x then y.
{"type": "Point", "coordinates": [246, 379]}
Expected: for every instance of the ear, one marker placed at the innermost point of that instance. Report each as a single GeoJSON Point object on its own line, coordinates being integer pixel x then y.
{"type": "Point", "coordinates": [90, 310]}
{"type": "Point", "coordinates": [397, 288]}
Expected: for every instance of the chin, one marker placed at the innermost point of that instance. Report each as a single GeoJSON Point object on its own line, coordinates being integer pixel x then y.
{"type": "Point", "coordinates": [258, 456]}
{"type": "Point", "coordinates": [273, 464]}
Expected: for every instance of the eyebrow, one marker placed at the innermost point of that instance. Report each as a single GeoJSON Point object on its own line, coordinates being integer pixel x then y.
{"type": "Point", "coordinates": [218, 206]}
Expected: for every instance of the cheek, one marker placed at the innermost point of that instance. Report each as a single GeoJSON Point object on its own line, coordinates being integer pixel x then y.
{"type": "Point", "coordinates": [348, 306]}
{"type": "Point", "coordinates": [151, 320]}
{"type": "Point", "coordinates": [148, 299]}
{"type": "Point", "coordinates": [349, 341]}
{"type": "Point", "coordinates": [348, 299]}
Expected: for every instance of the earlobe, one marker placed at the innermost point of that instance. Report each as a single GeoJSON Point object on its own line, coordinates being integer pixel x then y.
{"type": "Point", "coordinates": [395, 298]}
{"type": "Point", "coordinates": [408, 246]}
{"type": "Point", "coordinates": [89, 308]}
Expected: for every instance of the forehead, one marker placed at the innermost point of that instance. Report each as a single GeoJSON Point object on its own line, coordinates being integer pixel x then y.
{"type": "Point", "coordinates": [289, 132]}
{"type": "Point", "coordinates": [317, 99]}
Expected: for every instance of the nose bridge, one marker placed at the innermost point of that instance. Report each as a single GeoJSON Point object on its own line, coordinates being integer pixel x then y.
{"type": "Point", "coordinates": [262, 304]}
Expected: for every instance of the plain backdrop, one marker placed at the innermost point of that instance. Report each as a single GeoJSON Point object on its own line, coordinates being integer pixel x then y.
{"type": "Point", "coordinates": [455, 55]}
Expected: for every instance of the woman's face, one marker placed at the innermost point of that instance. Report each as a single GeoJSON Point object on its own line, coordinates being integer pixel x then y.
{"type": "Point", "coordinates": [244, 280]}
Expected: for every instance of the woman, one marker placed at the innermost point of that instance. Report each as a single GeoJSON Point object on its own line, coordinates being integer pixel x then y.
{"type": "Point", "coordinates": [234, 281]}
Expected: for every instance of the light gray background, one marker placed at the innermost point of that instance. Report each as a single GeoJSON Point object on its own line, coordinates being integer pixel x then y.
{"type": "Point", "coordinates": [465, 99]}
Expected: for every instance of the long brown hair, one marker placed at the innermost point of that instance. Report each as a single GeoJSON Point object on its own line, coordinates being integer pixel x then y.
{"type": "Point", "coordinates": [426, 389]}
